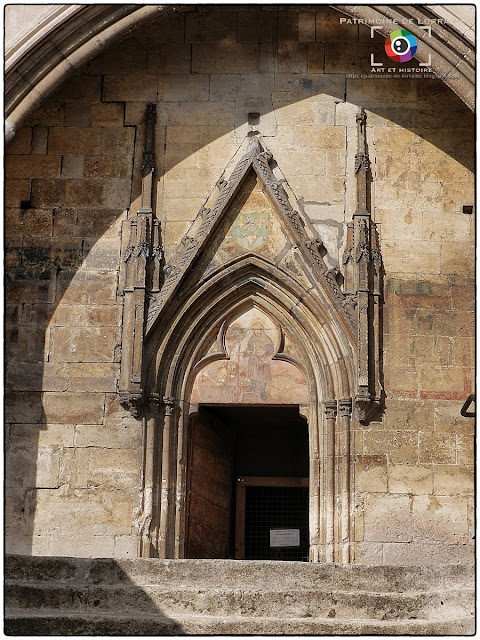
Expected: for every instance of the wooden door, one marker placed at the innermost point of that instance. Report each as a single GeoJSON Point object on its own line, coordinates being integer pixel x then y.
{"type": "Point", "coordinates": [209, 487]}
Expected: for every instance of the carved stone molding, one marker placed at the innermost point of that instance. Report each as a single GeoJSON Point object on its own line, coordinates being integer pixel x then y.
{"type": "Point", "coordinates": [330, 408]}
{"type": "Point", "coordinates": [208, 220]}
{"type": "Point", "coordinates": [345, 407]}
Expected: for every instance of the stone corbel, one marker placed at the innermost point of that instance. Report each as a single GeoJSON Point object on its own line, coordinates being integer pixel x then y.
{"type": "Point", "coordinates": [142, 258]}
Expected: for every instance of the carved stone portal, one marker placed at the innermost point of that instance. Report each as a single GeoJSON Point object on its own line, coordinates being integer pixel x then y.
{"type": "Point", "coordinates": [248, 312]}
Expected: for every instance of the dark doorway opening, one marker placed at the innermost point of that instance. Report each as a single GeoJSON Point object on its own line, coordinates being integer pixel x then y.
{"type": "Point", "coordinates": [263, 450]}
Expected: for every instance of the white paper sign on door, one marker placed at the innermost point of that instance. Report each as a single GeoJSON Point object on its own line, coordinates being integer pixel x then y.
{"type": "Point", "coordinates": [284, 537]}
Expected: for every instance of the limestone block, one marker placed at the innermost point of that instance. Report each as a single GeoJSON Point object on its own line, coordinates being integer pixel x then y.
{"type": "Point", "coordinates": [87, 287]}
{"type": "Point", "coordinates": [452, 480]}
{"type": "Point", "coordinates": [92, 376]}
{"type": "Point", "coordinates": [196, 135]}
{"type": "Point", "coordinates": [388, 518]}
{"type": "Point", "coordinates": [125, 547]}
{"type": "Point", "coordinates": [128, 57]}
{"type": "Point", "coordinates": [85, 193]}
{"type": "Point", "coordinates": [118, 141]}
{"type": "Point", "coordinates": [51, 435]}
{"type": "Point", "coordinates": [185, 88]}
{"type": "Point", "coordinates": [16, 191]}
{"type": "Point", "coordinates": [167, 58]}
{"type": "Point", "coordinates": [83, 547]}
{"type": "Point", "coordinates": [411, 257]}
{"type": "Point", "coordinates": [173, 28]}
{"type": "Point", "coordinates": [23, 407]}
{"type": "Point", "coordinates": [224, 87]}
{"type": "Point", "coordinates": [414, 415]}
{"type": "Point", "coordinates": [117, 433]}
{"type": "Point", "coordinates": [61, 252]}
{"type": "Point", "coordinates": [138, 87]}
{"type": "Point", "coordinates": [413, 479]}
{"type": "Point", "coordinates": [465, 449]}
{"type": "Point", "coordinates": [75, 141]}
{"type": "Point", "coordinates": [84, 344]}
{"type": "Point", "coordinates": [399, 446]}
{"type": "Point", "coordinates": [383, 90]}
{"type": "Point", "coordinates": [72, 167]}
{"type": "Point", "coordinates": [96, 467]}
{"type": "Point", "coordinates": [455, 323]}
{"type": "Point", "coordinates": [326, 137]}
{"type": "Point", "coordinates": [36, 376]}
{"type": "Point", "coordinates": [34, 166]}
{"type": "Point", "coordinates": [226, 57]}
{"type": "Point", "coordinates": [77, 115]}
{"type": "Point", "coordinates": [49, 114]}
{"type": "Point", "coordinates": [302, 113]}
{"type": "Point", "coordinates": [457, 258]}
{"type": "Point", "coordinates": [440, 518]}
{"type": "Point", "coordinates": [292, 57]}
{"type": "Point", "coordinates": [101, 254]}
{"type": "Point", "coordinates": [21, 143]}
{"type": "Point", "coordinates": [39, 140]}
{"type": "Point", "coordinates": [83, 513]}
{"type": "Point", "coordinates": [370, 553]}
{"type": "Point", "coordinates": [28, 222]}
{"type": "Point", "coordinates": [431, 553]}
{"type": "Point", "coordinates": [48, 193]}
{"type": "Point", "coordinates": [371, 474]}
{"type": "Point", "coordinates": [438, 448]}
{"type": "Point", "coordinates": [438, 379]}
{"type": "Point", "coordinates": [47, 467]}
{"type": "Point", "coordinates": [36, 286]}
{"type": "Point", "coordinates": [107, 166]}
{"type": "Point", "coordinates": [174, 232]}
{"type": "Point", "coordinates": [79, 88]}
{"type": "Point", "coordinates": [316, 57]}
{"type": "Point", "coordinates": [176, 209]}
{"type": "Point", "coordinates": [206, 27]}
{"type": "Point", "coordinates": [73, 408]}
{"type": "Point", "coordinates": [353, 58]}
{"type": "Point", "coordinates": [89, 223]}
{"type": "Point", "coordinates": [18, 544]}
{"type": "Point", "coordinates": [310, 162]}
{"type": "Point", "coordinates": [20, 463]}
{"type": "Point", "coordinates": [330, 29]}
{"type": "Point", "coordinates": [203, 113]}
{"type": "Point", "coordinates": [255, 26]}
{"type": "Point", "coordinates": [447, 418]}
{"type": "Point", "coordinates": [306, 27]}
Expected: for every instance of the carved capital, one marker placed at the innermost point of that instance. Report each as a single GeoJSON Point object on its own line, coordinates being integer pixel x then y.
{"type": "Point", "coordinates": [330, 409]}
{"type": "Point", "coordinates": [133, 402]}
{"type": "Point", "coordinates": [345, 407]}
{"type": "Point", "coordinates": [169, 404]}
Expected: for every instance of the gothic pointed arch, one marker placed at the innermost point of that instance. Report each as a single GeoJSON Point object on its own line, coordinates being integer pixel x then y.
{"type": "Point", "coordinates": [248, 296]}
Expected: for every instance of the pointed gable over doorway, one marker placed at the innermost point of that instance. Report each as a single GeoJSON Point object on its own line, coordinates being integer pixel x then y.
{"type": "Point", "coordinates": [251, 215]}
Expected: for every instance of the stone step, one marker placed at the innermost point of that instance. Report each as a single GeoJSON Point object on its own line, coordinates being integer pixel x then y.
{"type": "Point", "coordinates": [82, 596]}
{"type": "Point", "coordinates": [254, 573]}
{"type": "Point", "coordinates": [53, 623]}
{"type": "Point", "coordinates": [239, 601]}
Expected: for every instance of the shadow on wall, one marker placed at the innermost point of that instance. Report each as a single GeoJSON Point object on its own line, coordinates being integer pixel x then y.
{"type": "Point", "coordinates": [61, 286]}
{"type": "Point", "coordinates": [79, 596]}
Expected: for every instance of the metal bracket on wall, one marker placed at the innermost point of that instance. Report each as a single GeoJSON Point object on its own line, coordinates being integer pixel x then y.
{"type": "Point", "coordinates": [464, 410]}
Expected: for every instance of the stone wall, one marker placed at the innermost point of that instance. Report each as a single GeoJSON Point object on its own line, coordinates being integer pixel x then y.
{"type": "Point", "coordinates": [74, 174]}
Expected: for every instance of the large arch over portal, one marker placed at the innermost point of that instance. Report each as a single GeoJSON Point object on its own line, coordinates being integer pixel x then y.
{"type": "Point", "coordinates": [61, 41]}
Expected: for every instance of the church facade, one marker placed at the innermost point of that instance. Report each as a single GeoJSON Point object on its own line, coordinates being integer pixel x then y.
{"type": "Point", "coordinates": [240, 295]}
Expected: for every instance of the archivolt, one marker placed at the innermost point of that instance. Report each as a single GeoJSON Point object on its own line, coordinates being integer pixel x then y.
{"type": "Point", "coordinates": [326, 348]}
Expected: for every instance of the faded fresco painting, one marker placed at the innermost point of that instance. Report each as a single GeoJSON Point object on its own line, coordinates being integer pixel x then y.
{"type": "Point", "coordinates": [251, 375]}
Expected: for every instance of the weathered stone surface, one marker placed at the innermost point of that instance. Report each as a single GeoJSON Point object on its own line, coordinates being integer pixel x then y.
{"type": "Point", "coordinates": [73, 179]}
{"type": "Point", "coordinates": [70, 408]}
